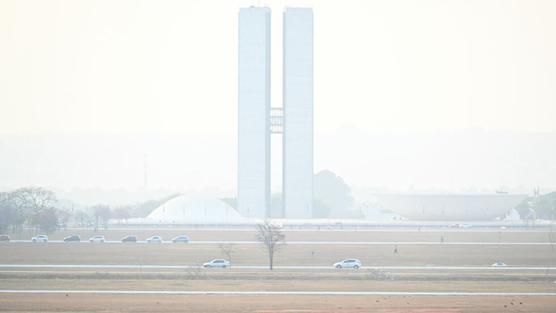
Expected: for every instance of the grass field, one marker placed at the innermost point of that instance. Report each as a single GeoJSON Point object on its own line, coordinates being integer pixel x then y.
{"type": "Point", "coordinates": [249, 254]}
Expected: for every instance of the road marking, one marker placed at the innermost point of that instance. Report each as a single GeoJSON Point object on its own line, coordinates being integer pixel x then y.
{"type": "Point", "coordinates": [139, 266]}
{"type": "Point", "coordinates": [249, 242]}
{"type": "Point", "coordinates": [280, 293]}
{"type": "Point", "coordinates": [346, 228]}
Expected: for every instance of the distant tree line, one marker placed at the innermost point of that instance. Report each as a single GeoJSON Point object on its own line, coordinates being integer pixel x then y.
{"type": "Point", "coordinates": [30, 206]}
{"type": "Point", "coordinates": [538, 207]}
{"type": "Point", "coordinates": [38, 208]}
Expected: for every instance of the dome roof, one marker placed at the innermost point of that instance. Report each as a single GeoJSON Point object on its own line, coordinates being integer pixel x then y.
{"type": "Point", "coordinates": [195, 209]}
{"type": "Point", "coordinates": [450, 207]}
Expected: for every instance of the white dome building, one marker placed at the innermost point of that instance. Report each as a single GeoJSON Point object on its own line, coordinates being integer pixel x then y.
{"type": "Point", "coordinates": [195, 210]}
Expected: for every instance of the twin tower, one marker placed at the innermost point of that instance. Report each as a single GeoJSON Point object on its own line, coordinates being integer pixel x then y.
{"type": "Point", "coordinates": [258, 120]}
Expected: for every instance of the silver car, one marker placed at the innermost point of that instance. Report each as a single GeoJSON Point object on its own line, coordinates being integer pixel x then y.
{"type": "Point", "coordinates": [348, 263]}
{"type": "Point", "coordinates": [40, 238]}
{"type": "Point", "coordinates": [154, 239]}
{"type": "Point", "coordinates": [97, 238]}
{"type": "Point", "coordinates": [221, 263]}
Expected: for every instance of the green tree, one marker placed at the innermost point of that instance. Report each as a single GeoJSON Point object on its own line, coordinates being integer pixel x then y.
{"type": "Point", "coordinates": [8, 212]}
{"type": "Point", "coordinates": [121, 214]}
{"type": "Point", "coordinates": [331, 194]}
{"type": "Point", "coordinates": [46, 220]}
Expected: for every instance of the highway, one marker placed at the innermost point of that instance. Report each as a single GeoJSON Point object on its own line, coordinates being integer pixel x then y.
{"type": "Point", "coordinates": [369, 243]}
{"type": "Point", "coordinates": [293, 267]}
{"type": "Point", "coordinates": [279, 293]}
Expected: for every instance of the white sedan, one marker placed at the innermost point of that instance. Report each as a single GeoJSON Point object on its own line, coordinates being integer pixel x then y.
{"type": "Point", "coordinates": [97, 238]}
{"type": "Point", "coordinates": [40, 238]}
{"type": "Point", "coordinates": [498, 264]}
{"type": "Point", "coordinates": [221, 263]}
{"type": "Point", "coordinates": [348, 263]}
{"type": "Point", "coordinates": [154, 239]}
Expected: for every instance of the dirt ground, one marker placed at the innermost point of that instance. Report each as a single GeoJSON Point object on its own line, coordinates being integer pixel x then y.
{"type": "Point", "coordinates": [300, 283]}
{"type": "Point", "coordinates": [271, 304]}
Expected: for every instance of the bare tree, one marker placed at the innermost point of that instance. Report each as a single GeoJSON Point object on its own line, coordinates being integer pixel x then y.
{"type": "Point", "coordinates": [63, 218]}
{"type": "Point", "coordinates": [82, 218]}
{"type": "Point", "coordinates": [552, 236]}
{"type": "Point", "coordinates": [45, 220]}
{"type": "Point", "coordinates": [102, 213]}
{"type": "Point", "coordinates": [271, 236]}
{"type": "Point", "coordinates": [121, 214]}
{"type": "Point", "coordinates": [34, 199]}
{"type": "Point", "coordinates": [227, 250]}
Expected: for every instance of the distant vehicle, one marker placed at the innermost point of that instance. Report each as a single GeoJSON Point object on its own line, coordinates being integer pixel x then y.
{"type": "Point", "coordinates": [221, 263]}
{"type": "Point", "coordinates": [498, 264]}
{"type": "Point", "coordinates": [154, 239]}
{"type": "Point", "coordinates": [72, 238]}
{"type": "Point", "coordinates": [40, 238]}
{"type": "Point", "coordinates": [460, 225]}
{"type": "Point", "coordinates": [97, 238]}
{"type": "Point", "coordinates": [129, 238]}
{"type": "Point", "coordinates": [180, 238]}
{"type": "Point", "coordinates": [4, 238]}
{"type": "Point", "coordinates": [348, 263]}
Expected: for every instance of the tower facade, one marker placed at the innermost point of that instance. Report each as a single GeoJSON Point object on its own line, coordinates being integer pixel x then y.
{"type": "Point", "coordinates": [253, 112]}
{"type": "Point", "coordinates": [298, 113]}
{"type": "Point", "coordinates": [293, 120]}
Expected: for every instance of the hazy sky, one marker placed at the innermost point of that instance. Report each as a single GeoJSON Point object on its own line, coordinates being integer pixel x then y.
{"type": "Point", "coordinates": [171, 66]}
{"type": "Point", "coordinates": [148, 67]}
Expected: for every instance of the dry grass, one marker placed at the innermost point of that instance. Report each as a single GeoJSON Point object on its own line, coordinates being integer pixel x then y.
{"type": "Point", "coordinates": [249, 254]}
{"type": "Point", "coordinates": [292, 284]}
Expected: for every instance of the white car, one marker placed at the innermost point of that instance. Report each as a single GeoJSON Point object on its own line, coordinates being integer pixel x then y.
{"type": "Point", "coordinates": [97, 238]}
{"type": "Point", "coordinates": [154, 239]}
{"type": "Point", "coordinates": [40, 238]}
{"type": "Point", "coordinates": [348, 263]}
{"type": "Point", "coordinates": [498, 264]}
{"type": "Point", "coordinates": [217, 263]}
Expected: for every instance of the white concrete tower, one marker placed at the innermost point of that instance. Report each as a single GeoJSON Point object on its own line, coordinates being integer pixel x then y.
{"type": "Point", "coordinates": [298, 113]}
{"type": "Point", "coordinates": [253, 112]}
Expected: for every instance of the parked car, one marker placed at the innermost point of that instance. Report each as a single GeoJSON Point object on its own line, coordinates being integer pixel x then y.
{"type": "Point", "coordinates": [348, 263]}
{"type": "Point", "coordinates": [180, 238]}
{"type": "Point", "coordinates": [40, 238]}
{"type": "Point", "coordinates": [498, 264]}
{"type": "Point", "coordinates": [221, 263]}
{"type": "Point", "coordinates": [97, 238]}
{"type": "Point", "coordinates": [129, 238]}
{"type": "Point", "coordinates": [72, 238]}
{"type": "Point", "coordinates": [4, 238]}
{"type": "Point", "coordinates": [154, 239]}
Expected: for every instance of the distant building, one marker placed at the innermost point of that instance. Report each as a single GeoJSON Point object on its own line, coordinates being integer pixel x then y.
{"type": "Point", "coordinates": [254, 112]}
{"type": "Point", "coordinates": [194, 210]}
{"type": "Point", "coordinates": [294, 120]}
{"type": "Point", "coordinates": [298, 113]}
{"type": "Point", "coordinates": [450, 207]}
